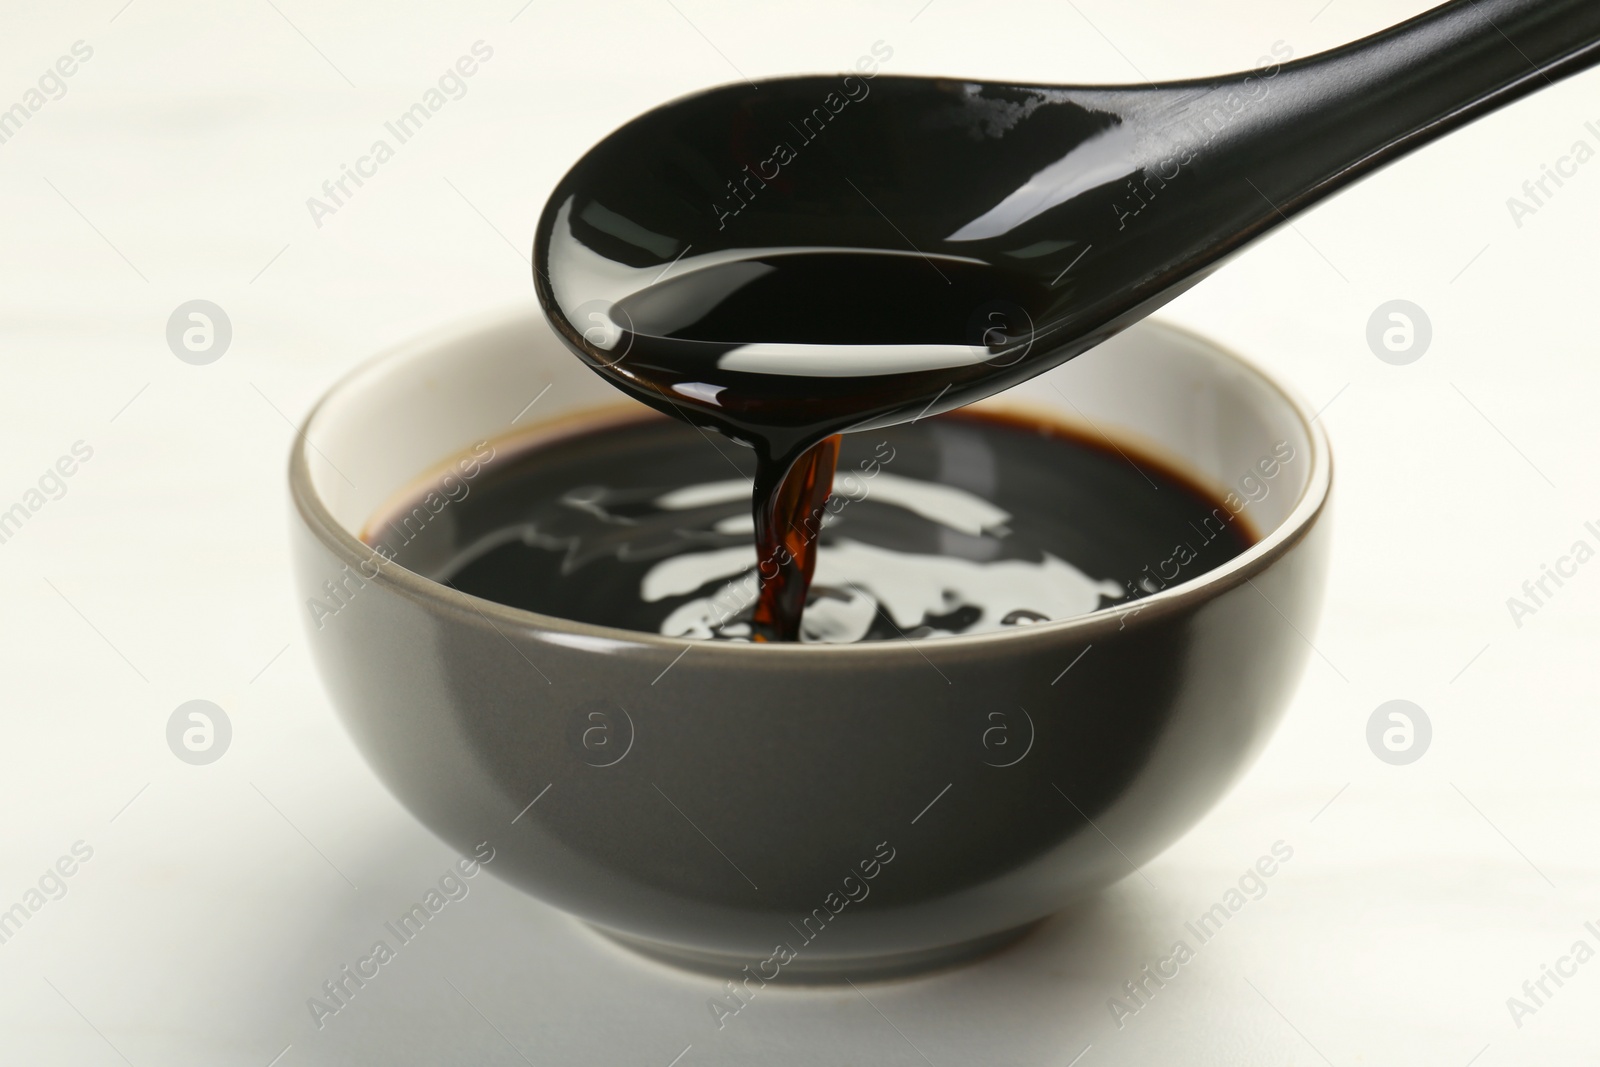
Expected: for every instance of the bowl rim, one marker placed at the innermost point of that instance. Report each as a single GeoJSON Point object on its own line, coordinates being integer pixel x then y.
{"type": "Point", "coordinates": [1175, 599]}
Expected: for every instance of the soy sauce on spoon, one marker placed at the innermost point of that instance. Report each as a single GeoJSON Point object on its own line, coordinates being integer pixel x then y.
{"type": "Point", "coordinates": [811, 256]}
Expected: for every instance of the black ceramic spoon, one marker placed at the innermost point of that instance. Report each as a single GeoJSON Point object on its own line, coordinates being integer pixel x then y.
{"type": "Point", "coordinates": [814, 255]}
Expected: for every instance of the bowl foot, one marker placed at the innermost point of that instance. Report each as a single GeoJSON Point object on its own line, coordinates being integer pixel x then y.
{"type": "Point", "coordinates": [809, 968]}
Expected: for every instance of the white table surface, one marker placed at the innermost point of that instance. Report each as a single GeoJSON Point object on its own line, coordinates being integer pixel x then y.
{"type": "Point", "coordinates": [219, 898]}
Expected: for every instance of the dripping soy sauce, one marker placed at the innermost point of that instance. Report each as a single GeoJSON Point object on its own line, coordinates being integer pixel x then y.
{"type": "Point", "coordinates": [841, 333]}
{"type": "Point", "coordinates": [835, 294]}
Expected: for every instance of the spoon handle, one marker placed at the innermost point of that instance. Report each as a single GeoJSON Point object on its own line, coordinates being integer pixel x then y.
{"type": "Point", "coordinates": [1340, 114]}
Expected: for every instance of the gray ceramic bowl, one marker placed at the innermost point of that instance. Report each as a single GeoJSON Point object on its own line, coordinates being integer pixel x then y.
{"type": "Point", "coordinates": [808, 810]}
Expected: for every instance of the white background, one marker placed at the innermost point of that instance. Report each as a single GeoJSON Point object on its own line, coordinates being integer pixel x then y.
{"type": "Point", "coordinates": [177, 167]}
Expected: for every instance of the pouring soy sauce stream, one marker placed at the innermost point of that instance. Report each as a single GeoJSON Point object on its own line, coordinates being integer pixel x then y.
{"type": "Point", "coordinates": [811, 256]}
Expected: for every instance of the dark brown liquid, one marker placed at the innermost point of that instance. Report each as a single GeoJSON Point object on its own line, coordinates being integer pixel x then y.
{"type": "Point", "coordinates": [684, 346]}
{"type": "Point", "coordinates": [961, 523]}
{"type": "Point", "coordinates": [855, 286]}
{"type": "Point", "coordinates": [786, 553]}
